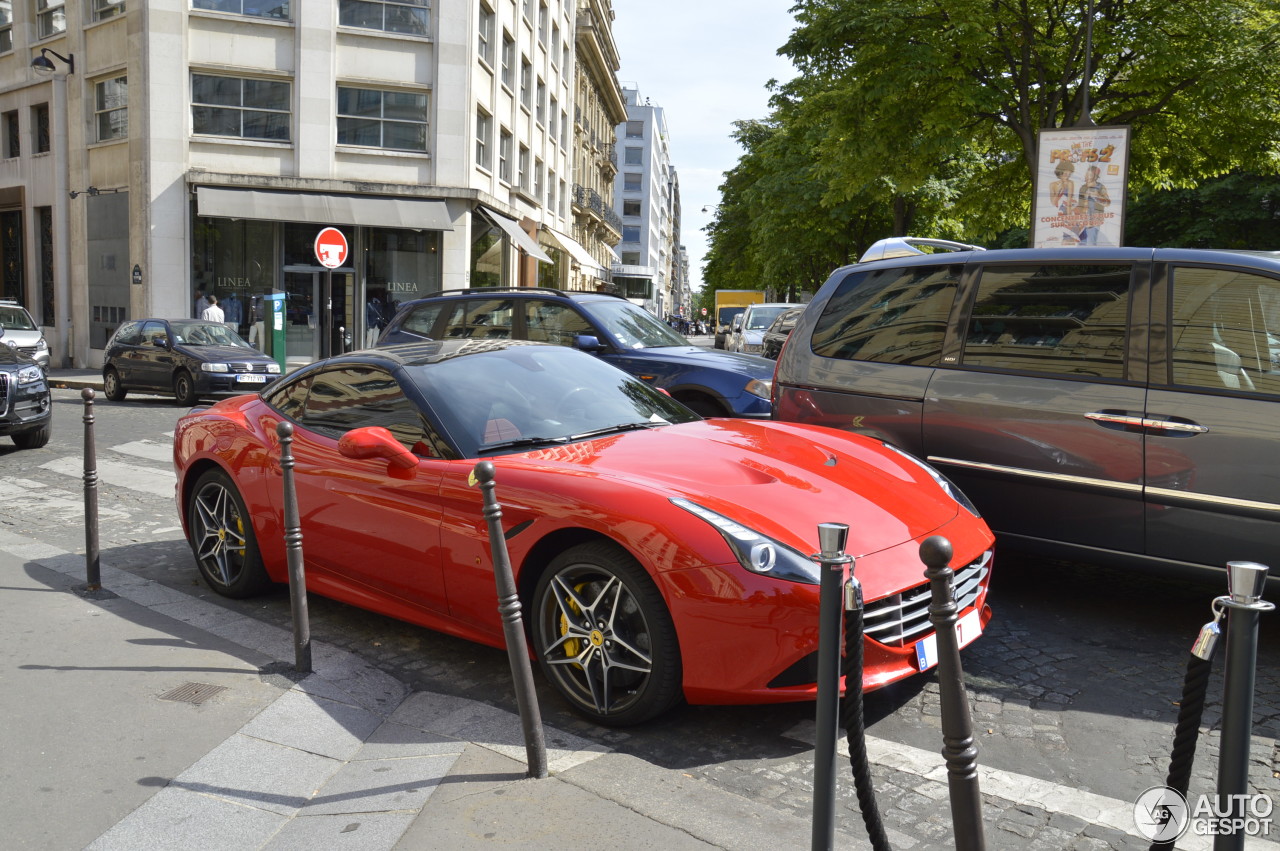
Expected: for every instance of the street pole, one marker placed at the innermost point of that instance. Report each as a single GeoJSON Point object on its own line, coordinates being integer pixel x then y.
{"type": "Point", "coordinates": [293, 554]}
{"type": "Point", "coordinates": [834, 567]}
{"type": "Point", "coordinates": [326, 338]}
{"type": "Point", "coordinates": [93, 565]}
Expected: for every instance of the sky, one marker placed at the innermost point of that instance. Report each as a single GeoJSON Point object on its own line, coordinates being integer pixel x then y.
{"type": "Point", "coordinates": [706, 63]}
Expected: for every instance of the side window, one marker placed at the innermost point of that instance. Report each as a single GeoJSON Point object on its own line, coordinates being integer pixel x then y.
{"type": "Point", "coordinates": [554, 322]}
{"type": "Point", "coordinates": [1069, 320]}
{"type": "Point", "coordinates": [888, 316]}
{"type": "Point", "coordinates": [1226, 330]}
{"type": "Point", "coordinates": [357, 396]}
{"type": "Point", "coordinates": [152, 331]}
{"type": "Point", "coordinates": [289, 399]}
{"type": "Point", "coordinates": [130, 334]}
{"type": "Point", "coordinates": [488, 318]}
{"type": "Point", "coordinates": [422, 321]}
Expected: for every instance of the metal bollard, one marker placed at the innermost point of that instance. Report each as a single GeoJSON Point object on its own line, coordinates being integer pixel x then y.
{"type": "Point", "coordinates": [959, 750]}
{"type": "Point", "coordinates": [1245, 582]}
{"type": "Point", "coordinates": [92, 556]}
{"type": "Point", "coordinates": [293, 552]}
{"type": "Point", "coordinates": [513, 626]}
{"type": "Point", "coordinates": [834, 567]}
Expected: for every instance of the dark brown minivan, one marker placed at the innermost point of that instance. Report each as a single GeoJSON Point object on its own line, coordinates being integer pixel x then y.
{"type": "Point", "coordinates": [1115, 405]}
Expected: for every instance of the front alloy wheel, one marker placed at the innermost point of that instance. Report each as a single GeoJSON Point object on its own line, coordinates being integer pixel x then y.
{"type": "Point", "coordinates": [222, 538]}
{"type": "Point", "coordinates": [604, 637]}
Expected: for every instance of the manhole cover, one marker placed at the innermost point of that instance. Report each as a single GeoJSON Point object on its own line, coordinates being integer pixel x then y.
{"type": "Point", "coordinates": [196, 693]}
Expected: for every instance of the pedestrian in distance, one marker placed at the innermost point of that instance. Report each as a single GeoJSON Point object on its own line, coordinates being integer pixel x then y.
{"type": "Point", "coordinates": [213, 313]}
{"type": "Point", "coordinates": [201, 303]}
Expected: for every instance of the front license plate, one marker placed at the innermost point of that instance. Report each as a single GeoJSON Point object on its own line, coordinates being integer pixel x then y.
{"type": "Point", "coordinates": [251, 379]}
{"type": "Point", "coordinates": [968, 628]}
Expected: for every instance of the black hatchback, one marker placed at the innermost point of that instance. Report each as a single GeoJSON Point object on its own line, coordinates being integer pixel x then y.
{"type": "Point", "coordinates": [188, 358]}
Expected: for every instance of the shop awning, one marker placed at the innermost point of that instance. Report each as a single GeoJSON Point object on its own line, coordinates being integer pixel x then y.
{"type": "Point", "coordinates": [517, 234]}
{"type": "Point", "coordinates": [575, 249]}
{"type": "Point", "coordinates": [410, 213]}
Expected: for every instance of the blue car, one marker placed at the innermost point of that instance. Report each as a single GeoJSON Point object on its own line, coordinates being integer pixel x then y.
{"type": "Point", "coordinates": [712, 383]}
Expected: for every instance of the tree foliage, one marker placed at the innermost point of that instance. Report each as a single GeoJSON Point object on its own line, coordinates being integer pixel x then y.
{"type": "Point", "coordinates": [923, 116]}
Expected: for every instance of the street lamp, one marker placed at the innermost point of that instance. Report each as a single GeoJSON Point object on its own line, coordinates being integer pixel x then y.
{"type": "Point", "coordinates": [44, 66]}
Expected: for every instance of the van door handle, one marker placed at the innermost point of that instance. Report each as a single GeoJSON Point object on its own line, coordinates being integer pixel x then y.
{"type": "Point", "coordinates": [1119, 418]}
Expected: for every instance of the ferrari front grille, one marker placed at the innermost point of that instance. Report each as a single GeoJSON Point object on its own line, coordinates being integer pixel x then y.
{"type": "Point", "coordinates": [903, 618]}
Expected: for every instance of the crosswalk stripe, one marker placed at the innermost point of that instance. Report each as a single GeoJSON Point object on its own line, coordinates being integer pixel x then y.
{"type": "Point", "coordinates": [147, 480]}
{"type": "Point", "coordinates": [40, 500]}
{"type": "Point", "coordinates": [149, 449]}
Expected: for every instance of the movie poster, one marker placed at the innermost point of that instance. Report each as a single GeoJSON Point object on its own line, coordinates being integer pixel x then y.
{"type": "Point", "coordinates": [1080, 187]}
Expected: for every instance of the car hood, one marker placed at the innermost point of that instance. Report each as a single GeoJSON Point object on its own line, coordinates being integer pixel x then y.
{"type": "Point", "coordinates": [10, 356]}
{"type": "Point", "coordinates": [750, 366]}
{"type": "Point", "coordinates": [212, 354]}
{"type": "Point", "coordinates": [780, 479]}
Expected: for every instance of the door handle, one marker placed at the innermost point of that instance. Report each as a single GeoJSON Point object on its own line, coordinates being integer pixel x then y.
{"type": "Point", "coordinates": [1182, 427]}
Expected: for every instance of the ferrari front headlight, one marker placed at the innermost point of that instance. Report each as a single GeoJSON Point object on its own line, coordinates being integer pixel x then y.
{"type": "Point", "coordinates": [756, 552]}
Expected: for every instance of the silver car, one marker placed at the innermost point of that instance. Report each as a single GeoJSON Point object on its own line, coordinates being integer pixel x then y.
{"type": "Point", "coordinates": [747, 335]}
{"type": "Point", "coordinates": [1113, 405]}
{"type": "Point", "coordinates": [22, 333]}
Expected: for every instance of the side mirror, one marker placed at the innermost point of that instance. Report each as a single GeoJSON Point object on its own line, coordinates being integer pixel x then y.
{"type": "Point", "coordinates": [376, 442]}
{"type": "Point", "coordinates": [160, 342]}
{"type": "Point", "coordinates": [587, 342]}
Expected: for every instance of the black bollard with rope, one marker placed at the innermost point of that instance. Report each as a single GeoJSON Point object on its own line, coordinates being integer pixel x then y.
{"type": "Point", "coordinates": [92, 554]}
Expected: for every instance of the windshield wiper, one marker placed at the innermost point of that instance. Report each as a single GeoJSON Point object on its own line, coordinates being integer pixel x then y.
{"type": "Point", "coordinates": [519, 442]}
{"type": "Point", "coordinates": [617, 429]}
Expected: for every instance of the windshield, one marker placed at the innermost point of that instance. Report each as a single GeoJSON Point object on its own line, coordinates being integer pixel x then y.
{"type": "Point", "coordinates": [15, 319]}
{"type": "Point", "coordinates": [528, 397]}
{"type": "Point", "coordinates": [633, 327]}
{"type": "Point", "coordinates": [206, 334]}
{"type": "Point", "coordinates": [758, 319]}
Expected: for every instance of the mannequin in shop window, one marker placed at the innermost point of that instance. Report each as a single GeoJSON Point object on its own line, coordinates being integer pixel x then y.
{"type": "Point", "coordinates": [374, 321]}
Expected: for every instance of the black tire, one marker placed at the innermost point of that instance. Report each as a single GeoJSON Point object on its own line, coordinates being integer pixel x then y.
{"type": "Point", "coordinates": [184, 389]}
{"type": "Point", "coordinates": [33, 439]}
{"type": "Point", "coordinates": [112, 387]}
{"type": "Point", "coordinates": [604, 637]}
{"type": "Point", "coordinates": [221, 536]}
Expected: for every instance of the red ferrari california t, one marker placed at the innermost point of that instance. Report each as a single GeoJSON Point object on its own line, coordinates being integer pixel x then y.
{"type": "Point", "coordinates": [659, 556]}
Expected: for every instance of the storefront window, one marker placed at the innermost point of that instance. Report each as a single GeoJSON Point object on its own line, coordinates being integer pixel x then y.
{"type": "Point", "coordinates": [234, 259]}
{"type": "Point", "coordinates": [553, 275]}
{"type": "Point", "coordinates": [400, 265]}
{"type": "Point", "coordinates": [487, 253]}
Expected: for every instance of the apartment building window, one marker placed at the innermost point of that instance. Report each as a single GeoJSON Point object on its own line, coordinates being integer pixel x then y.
{"type": "Point", "coordinates": [631, 206]}
{"type": "Point", "coordinates": [551, 190]}
{"type": "Point", "coordinates": [40, 118]}
{"type": "Point", "coordinates": [382, 119]}
{"type": "Point", "coordinates": [526, 83]}
{"type": "Point", "coordinates": [504, 156]}
{"type": "Point", "coordinates": [555, 43]}
{"type": "Point", "coordinates": [522, 176]}
{"type": "Point", "coordinates": [240, 107]}
{"type": "Point", "coordinates": [543, 19]}
{"type": "Point", "coordinates": [635, 129]}
{"type": "Point", "coordinates": [111, 108]}
{"type": "Point", "coordinates": [564, 128]}
{"type": "Point", "coordinates": [634, 156]}
{"type": "Point", "coordinates": [484, 139]}
{"type": "Point", "coordinates": [12, 139]}
{"type": "Point", "coordinates": [564, 56]}
{"type": "Point", "coordinates": [51, 17]}
{"type": "Point", "coordinates": [103, 9]}
{"type": "Point", "coordinates": [538, 172]}
{"type": "Point", "coordinates": [553, 110]}
{"type": "Point", "coordinates": [631, 182]}
{"type": "Point", "coordinates": [485, 38]}
{"type": "Point", "coordinates": [631, 258]}
{"type": "Point", "coordinates": [278, 9]}
{"type": "Point", "coordinates": [630, 233]}
{"type": "Point", "coordinates": [528, 10]}
{"type": "Point", "coordinates": [542, 102]}
{"type": "Point", "coordinates": [508, 60]}
{"type": "Point", "coordinates": [564, 195]}
{"type": "Point", "coordinates": [6, 26]}
{"type": "Point", "coordinates": [406, 16]}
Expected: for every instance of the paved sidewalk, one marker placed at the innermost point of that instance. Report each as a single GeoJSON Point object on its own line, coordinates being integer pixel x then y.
{"type": "Point", "coordinates": [140, 717]}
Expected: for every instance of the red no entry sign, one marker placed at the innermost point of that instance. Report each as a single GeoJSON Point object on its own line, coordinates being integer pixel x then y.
{"type": "Point", "coordinates": [331, 248]}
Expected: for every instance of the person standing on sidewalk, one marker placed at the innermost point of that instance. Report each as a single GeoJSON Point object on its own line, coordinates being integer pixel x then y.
{"type": "Point", "coordinates": [213, 313]}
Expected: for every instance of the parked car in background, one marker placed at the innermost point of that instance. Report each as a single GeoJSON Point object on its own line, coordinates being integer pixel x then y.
{"type": "Point", "coordinates": [712, 383]}
{"type": "Point", "coordinates": [189, 358]}
{"type": "Point", "coordinates": [747, 334]}
{"type": "Point", "coordinates": [1101, 403]}
{"type": "Point", "coordinates": [658, 556]}
{"type": "Point", "coordinates": [26, 407]}
{"type": "Point", "coordinates": [778, 332]}
{"type": "Point", "coordinates": [22, 333]}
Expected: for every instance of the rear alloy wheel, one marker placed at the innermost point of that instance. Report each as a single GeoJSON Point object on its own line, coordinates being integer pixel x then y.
{"type": "Point", "coordinates": [112, 387]}
{"type": "Point", "coordinates": [33, 439]}
{"type": "Point", "coordinates": [604, 637]}
{"type": "Point", "coordinates": [221, 536]}
{"type": "Point", "coordinates": [184, 389]}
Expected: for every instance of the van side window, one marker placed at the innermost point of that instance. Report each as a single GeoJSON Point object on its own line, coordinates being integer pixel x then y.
{"type": "Point", "coordinates": [1069, 320]}
{"type": "Point", "coordinates": [1226, 330]}
{"type": "Point", "coordinates": [488, 318]}
{"type": "Point", "coordinates": [888, 316]}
